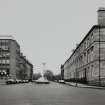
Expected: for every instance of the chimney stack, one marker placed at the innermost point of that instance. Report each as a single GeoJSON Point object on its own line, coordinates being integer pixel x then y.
{"type": "Point", "coordinates": [101, 16]}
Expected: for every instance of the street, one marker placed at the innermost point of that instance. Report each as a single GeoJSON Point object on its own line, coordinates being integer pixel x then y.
{"type": "Point", "coordinates": [49, 94]}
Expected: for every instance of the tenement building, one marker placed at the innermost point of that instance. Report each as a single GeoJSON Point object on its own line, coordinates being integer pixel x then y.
{"type": "Point", "coordinates": [12, 62]}
{"type": "Point", "coordinates": [87, 62]}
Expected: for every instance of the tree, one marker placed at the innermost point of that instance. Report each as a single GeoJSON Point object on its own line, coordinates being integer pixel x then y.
{"type": "Point", "coordinates": [48, 74]}
{"type": "Point", "coordinates": [57, 77]}
{"type": "Point", "coordinates": [36, 76]}
{"type": "Point", "coordinates": [3, 74]}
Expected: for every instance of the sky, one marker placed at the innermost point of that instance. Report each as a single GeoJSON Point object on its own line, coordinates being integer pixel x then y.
{"type": "Point", "coordinates": [48, 30]}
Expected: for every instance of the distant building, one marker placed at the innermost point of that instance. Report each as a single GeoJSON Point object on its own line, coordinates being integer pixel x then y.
{"type": "Point", "coordinates": [12, 63]}
{"type": "Point", "coordinates": [26, 69]}
{"type": "Point", "coordinates": [87, 62]}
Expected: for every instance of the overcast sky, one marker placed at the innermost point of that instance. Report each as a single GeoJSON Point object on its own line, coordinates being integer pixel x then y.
{"type": "Point", "coordinates": [48, 30]}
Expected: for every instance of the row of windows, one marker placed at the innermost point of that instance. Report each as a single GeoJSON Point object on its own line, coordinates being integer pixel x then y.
{"type": "Point", "coordinates": [4, 61]}
{"type": "Point", "coordinates": [3, 42]}
{"type": "Point", "coordinates": [4, 47]}
{"type": "Point", "coordinates": [85, 73]}
{"type": "Point", "coordinates": [78, 56]}
{"type": "Point", "coordinates": [4, 54]}
{"type": "Point", "coordinates": [86, 43]}
{"type": "Point", "coordinates": [81, 59]}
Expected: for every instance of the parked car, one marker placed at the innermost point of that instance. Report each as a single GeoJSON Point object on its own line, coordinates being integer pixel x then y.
{"type": "Point", "coordinates": [17, 81]}
{"type": "Point", "coordinates": [25, 81]}
{"type": "Point", "coordinates": [61, 81]}
{"type": "Point", "coordinates": [11, 81]}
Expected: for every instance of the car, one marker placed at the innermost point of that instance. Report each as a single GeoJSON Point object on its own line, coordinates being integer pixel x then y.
{"type": "Point", "coordinates": [26, 81]}
{"type": "Point", "coordinates": [17, 81]}
{"type": "Point", "coordinates": [10, 81]}
{"type": "Point", "coordinates": [23, 81]}
{"type": "Point", "coordinates": [61, 81]}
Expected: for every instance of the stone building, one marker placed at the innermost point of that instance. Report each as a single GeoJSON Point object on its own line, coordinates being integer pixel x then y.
{"type": "Point", "coordinates": [87, 62]}
{"type": "Point", "coordinates": [11, 60]}
{"type": "Point", "coordinates": [25, 69]}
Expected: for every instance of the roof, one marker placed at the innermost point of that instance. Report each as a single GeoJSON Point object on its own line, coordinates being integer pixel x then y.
{"type": "Point", "coordinates": [101, 9]}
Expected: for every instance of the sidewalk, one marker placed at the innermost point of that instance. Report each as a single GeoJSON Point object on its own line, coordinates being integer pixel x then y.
{"type": "Point", "coordinates": [2, 82]}
{"type": "Point", "coordinates": [83, 85]}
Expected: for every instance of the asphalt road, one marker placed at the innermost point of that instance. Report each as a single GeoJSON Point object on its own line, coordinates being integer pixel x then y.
{"type": "Point", "coordinates": [49, 94]}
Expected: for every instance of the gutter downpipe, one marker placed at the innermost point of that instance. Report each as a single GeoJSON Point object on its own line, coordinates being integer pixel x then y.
{"type": "Point", "coordinates": [99, 59]}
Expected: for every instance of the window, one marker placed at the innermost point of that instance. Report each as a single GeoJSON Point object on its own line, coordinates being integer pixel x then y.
{"type": "Point", "coordinates": [92, 37]}
{"type": "Point", "coordinates": [7, 61]}
{"type": "Point", "coordinates": [3, 61]}
{"type": "Point", "coordinates": [0, 61]}
{"type": "Point", "coordinates": [92, 48]}
{"type": "Point", "coordinates": [6, 47]}
{"type": "Point", "coordinates": [85, 54]}
{"type": "Point", "coordinates": [81, 48]}
{"type": "Point", "coordinates": [88, 56]}
{"type": "Point", "coordinates": [84, 45]}
{"type": "Point", "coordinates": [6, 41]}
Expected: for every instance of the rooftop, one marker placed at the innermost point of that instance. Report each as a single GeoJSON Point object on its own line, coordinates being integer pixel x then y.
{"type": "Point", "coordinates": [101, 9]}
{"type": "Point", "coordinates": [6, 37]}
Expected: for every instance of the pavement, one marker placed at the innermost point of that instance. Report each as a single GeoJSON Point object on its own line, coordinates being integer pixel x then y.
{"type": "Point", "coordinates": [83, 85]}
{"type": "Point", "coordinates": [2, 82]}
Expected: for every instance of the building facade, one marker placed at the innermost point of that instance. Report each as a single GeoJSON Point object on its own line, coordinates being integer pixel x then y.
{"type": "Point", "coordinates": [12, 64]}
{"type": "Point", "coordinates": [25, 69]}
{"type": "Point", "coordinates": [87, 62]}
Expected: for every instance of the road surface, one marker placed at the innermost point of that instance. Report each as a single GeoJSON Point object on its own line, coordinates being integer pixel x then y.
{"type": "Point", "coordinates": [49, 94]}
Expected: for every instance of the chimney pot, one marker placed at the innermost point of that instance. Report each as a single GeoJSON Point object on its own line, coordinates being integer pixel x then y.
{"type": "Point", "coordinates": [101, 16]}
